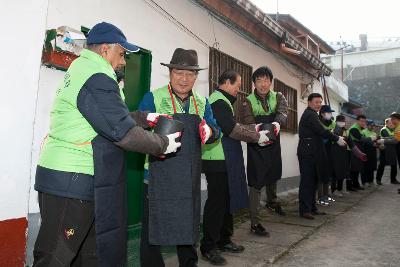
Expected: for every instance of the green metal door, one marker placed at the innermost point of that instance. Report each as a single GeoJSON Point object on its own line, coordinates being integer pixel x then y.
{"type": "Point", "coordinates": [137, 83]}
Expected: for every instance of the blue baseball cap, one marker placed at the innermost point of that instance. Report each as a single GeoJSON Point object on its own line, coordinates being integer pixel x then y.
{"type": "Point", "coordinates": [106, 33]}
{"type": "Point", "coordinates": [326, 109]}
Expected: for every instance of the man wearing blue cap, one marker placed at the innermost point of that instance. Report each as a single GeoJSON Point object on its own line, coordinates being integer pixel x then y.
{"type": "Point", "coordinates": [325, 116]}
{"type": "Point", "coordinates": [80, 174]}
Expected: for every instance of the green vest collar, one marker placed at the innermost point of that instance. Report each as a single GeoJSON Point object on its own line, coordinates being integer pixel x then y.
{"type": "Point", "coordinates": [96, 58]}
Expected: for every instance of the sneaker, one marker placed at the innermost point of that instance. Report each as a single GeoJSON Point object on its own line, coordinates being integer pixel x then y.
{"type": "Point", "coordinates": [231, 247]}
{"type": "Point", "coordinates": [330, 199]}
{"type": "Point", "coordinates": [214, 257]}
{"type": "Point", "coordinates": [259, 230]}
{"type": "Point", "coordinates": [322, 202]}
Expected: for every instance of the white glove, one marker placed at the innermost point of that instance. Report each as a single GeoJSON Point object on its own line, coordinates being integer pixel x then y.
{"type": "Point", "coordinates": [380, 141]}
{"type": "Point", "coordinates": [373, 138]}
{"type": "Point", "coordinates": [277, 127]}
{"type": "Point", "coordinates": [341, 141]}
{"type": "Point", "coordinates": [262, 141]}
{"type": "Point", "coordinates": [172, 144]}
{"type": "Point", "coordinates": [152, 119]}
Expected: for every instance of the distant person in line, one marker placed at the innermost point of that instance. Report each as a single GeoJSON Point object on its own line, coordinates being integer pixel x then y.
{"type": "Point", "coordinates": [388, 154]}
{"type": "Point", "coordinates": [312, 155]}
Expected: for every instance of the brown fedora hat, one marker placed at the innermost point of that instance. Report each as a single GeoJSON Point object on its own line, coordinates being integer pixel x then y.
{"type": "Point", "coordinates": [183, 59]}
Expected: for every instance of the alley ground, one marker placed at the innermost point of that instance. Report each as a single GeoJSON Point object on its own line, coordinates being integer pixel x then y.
{"type": "Point", "coordinates": [361, 229]}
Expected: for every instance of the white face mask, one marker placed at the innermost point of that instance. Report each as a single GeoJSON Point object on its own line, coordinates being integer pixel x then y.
{"type": "Point", "coordinates": [341, 124]}
{"type": "Point", "coordinates": [327, 116]}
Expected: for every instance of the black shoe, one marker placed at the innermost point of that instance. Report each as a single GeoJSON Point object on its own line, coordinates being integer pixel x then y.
{"type": "Point", "coordinates": [232, 248]}
{"type": "Point", "coordinates": [378, 182]}
{"type": "Point", "coordinates": [395, 182]}
{"type": "Point", "coordinates": [352, 189]}
{"type": "Point", "coordinates": [307, 216]}
{"type": "Point", "coordinates": [280, 211]}
{"type": "Point", "coordinates": [258, 229]}
{"type": "Point", "coordinates": [276, 208]}
{"type": "Point", "coordinates": [214, 257]}
{"type": "Point", "coordinates": [317, 212]}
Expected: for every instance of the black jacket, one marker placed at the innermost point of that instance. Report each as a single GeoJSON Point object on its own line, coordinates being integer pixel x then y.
{"type": "Point", "coordinates": [311, 145]}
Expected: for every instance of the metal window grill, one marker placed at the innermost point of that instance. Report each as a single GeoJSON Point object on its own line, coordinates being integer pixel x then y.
{"type": "Point", "coordinates": [291, 96]}
{"type": "Point", "coordinates": [220, 62]}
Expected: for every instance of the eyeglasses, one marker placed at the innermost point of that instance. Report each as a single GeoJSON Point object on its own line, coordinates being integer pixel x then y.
{"type": "Point", "coordinates": [180, 74]}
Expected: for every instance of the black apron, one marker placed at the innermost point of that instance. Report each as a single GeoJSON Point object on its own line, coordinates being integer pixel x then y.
{"type": "Point", "coordinates": [174, 188]}
{"type": "Point", "coordinates": [238, 195]}
{"type": "Point", "coordinates": [340, 161]}
{"type": "Point", "coordinates": [110, 202]}
{"type": "Point", "coordinates": [371, 164]}
{"type": "Point", "coordinates": [264, 164]}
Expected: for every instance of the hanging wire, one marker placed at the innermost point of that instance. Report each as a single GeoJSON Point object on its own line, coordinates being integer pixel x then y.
{"type": "Point", "coordinates": [156, 7]}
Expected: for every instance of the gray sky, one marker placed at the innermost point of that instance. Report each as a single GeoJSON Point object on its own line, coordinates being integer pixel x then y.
{"type": "Point", "coordinates": [346, 18]}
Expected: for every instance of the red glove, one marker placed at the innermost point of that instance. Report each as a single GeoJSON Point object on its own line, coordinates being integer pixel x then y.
{"type": "Point", "coordinates": [277, 128]}
{"type": "Point", "coordinates": [360, 155]}
{"type": "Point", "coordinates": [204, 131]}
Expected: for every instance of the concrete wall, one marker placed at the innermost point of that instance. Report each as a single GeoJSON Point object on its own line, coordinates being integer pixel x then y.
{"type": "Point", "coordinates": [22, 34]}
{"type": "Point", "coordinates": [363, 58]}
{"type": "Point", "coordinates": [376, 86]}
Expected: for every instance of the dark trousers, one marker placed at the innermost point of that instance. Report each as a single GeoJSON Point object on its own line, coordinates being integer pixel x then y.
{"type": "Point", "coordinates": [217, 220]}
{"type": "Point", "coordinates": [308, 184]}
{"type": "Point", "coordinates": [354, 179]}
{"type": "Point", "coordinates": [150, 255]}
{"type": "Point", "coordinates": [337, 185]}
{"type": "Point", "coordinates": [367, 176]}
{"type": "Point", "coordinates": [381, 169]}
{"type": "Point", "coordinates": [67, 235]}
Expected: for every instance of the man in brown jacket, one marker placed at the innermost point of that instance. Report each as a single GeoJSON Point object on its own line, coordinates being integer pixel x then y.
{"type": "Point", "coordinates": [264, 164]}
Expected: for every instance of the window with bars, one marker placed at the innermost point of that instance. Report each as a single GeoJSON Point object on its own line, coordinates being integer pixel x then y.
{"type": "Point", "coordinates": [291, 97]}
{"type": "Point", "coordinates": [220, 62]}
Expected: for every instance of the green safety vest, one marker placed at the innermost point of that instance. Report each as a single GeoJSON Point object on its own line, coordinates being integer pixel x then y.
{"type": "Point", "coordinates": [68, 145]}
{"type": "Point", "coordinates": [368, 133]}
{"type": "Point", "coordinates": [215, 150]}
{"type": "Point", "coordinates": [391, 132]}
{"type": "Point", "coordinates": [163, 105]}
{"type": "Point", "coordinates": [355, 126]}
{"type": "Point", "coordinates": [331, 126]}
{"type": "Point", "coordinates": [257, 107]}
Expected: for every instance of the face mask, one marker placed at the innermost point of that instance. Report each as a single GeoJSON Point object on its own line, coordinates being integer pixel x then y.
{"type": "Point", "coordinates": [327, 116]}
{"type": "Point", "coordinates": [341, 124]}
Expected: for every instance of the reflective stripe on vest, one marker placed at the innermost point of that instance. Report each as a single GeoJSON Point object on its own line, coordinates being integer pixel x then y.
{"type": "Point", "coordinates": [68, 145]}
{"type": "Point", "coordinates": [215, 150]}
{"type": "Point", "coordinates": [257, 106]}
{"type": "Point", "coordinates": [368, 133]}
